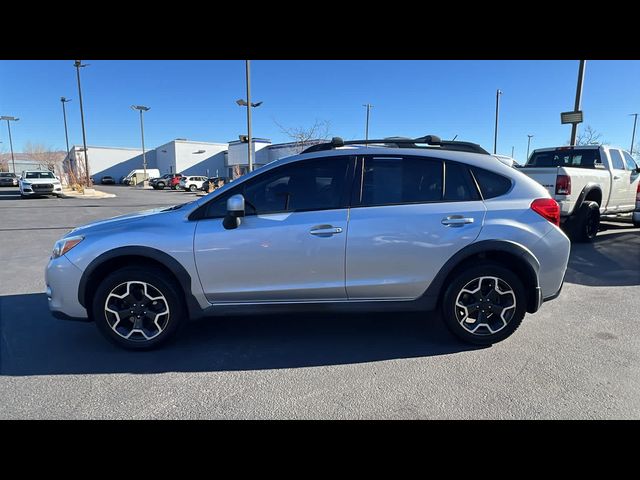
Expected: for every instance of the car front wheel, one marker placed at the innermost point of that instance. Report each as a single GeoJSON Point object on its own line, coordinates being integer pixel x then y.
{"type": "Point", "coordinates": [160, 186]}
{"type": "Point", "coordinates": [138, 308]}
{"type": "Point", "coordinates": [484, 304]}
{"type": "Point", "coordinates": [192, 188]}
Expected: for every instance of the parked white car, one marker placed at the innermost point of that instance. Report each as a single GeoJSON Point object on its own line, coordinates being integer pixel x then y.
{"type": "Point", "coordinates": [192, 183]}
{"type": "Point", "coordinates": [39, 182]}
{"type": "Point", "coordinates": [587, 182]}
{"type": "Point", "coordinates": [139, 174]}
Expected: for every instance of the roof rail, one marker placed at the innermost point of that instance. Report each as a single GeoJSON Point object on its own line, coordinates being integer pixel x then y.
{"type": "Point", "coordinates": [402, 142]}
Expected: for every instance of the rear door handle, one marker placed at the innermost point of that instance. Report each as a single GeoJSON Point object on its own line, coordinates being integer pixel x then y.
{"type": "Point", "coordinates": [325, 230]}
{"type": "Point", "coordinates": [456, 221]}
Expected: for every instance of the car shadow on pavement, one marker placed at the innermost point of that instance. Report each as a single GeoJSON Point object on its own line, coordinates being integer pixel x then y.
{"type": "Point", "coordinates": [32, 342]}
{"type": "Point", "coordinates": [613, 259]}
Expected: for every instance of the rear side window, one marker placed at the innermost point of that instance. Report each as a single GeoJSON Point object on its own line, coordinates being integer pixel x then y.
{"type": "Point", "coordinates": [616, 160]}
{"type": "Point", "coordinates": [491, 184]}
{"type": "Point", "coordinates": [400, 180]}
{"type": "Point", "coordinates": [458, 183]}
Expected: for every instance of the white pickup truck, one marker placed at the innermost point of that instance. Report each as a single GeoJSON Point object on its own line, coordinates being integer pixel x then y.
{"type": "Point", "coordinates": [587, 182]}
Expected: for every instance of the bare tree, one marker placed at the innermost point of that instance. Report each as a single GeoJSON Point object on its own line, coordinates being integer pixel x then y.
{"type": "Point", "coordinates": [306, 136]}
{"type": "Point", "coordinates": [589, 136]}
{"type": "Point", "coordinates": [235, 172]}
{"type": "Point", "coordinates": [44, 156]}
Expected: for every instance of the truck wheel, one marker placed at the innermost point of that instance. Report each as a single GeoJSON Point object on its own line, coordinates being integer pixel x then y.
{"type": "Point", "coordinates": [586, 223]}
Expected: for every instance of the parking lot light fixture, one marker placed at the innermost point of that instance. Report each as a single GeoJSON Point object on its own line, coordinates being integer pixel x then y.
{"type": "Point", "coordinates": [247, 103]}
{"type": "Point", "coordinates": [142, 109]}
{"type": "Point", "coordinates": [10, 119]}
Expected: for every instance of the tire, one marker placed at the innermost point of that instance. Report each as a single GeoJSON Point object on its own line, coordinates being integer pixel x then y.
{"type": "Point", "coordinates": [193, 188]}
{"type": "Point", "coordinates": [160, 185]}
{"type": "Point", "coordinates": [174, 187]}
{"type": "Point", "coordinates": [585, 225]}
{"type": "Point", "coordinates": [146, 335]}
{"type": "Point", "coordinates": [504, 316]}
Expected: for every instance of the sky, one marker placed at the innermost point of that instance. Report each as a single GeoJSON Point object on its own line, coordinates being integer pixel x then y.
{"type": "Point", "coordinates": [196, 100]}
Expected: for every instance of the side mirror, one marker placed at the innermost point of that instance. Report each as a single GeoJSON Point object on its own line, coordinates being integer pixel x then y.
{"type": "Point", "coordinates": [235, 211]}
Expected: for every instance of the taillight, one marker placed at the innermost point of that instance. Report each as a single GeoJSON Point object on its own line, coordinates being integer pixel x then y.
{"type": "Point", "coordinates": [563, 185]}
{"type": "Point", "coordinates": [548, 208]}
{"type": "Point", "coordinates": [638, 193]}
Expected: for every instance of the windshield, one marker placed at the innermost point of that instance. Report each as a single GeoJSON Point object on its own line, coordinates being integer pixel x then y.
{"type": "Point", "coordinates": [580, 158]}
{"type": "Point", "coordinates": [39, 175]}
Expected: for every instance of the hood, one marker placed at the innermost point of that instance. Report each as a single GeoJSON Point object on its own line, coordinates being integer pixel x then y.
{"type": "Point", "coordinates": [116, 221]}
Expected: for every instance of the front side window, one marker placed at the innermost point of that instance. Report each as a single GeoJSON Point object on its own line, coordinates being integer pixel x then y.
{"type": "Point", "coordinates": [316, 184]}
{"type": "Point", "coordinates": [616, 160]}
{"type": "Point", "coordinates": [399, 180]}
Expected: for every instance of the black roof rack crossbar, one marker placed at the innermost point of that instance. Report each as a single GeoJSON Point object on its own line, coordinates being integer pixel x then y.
{"type": "Point", "coordinates": [402, 142]}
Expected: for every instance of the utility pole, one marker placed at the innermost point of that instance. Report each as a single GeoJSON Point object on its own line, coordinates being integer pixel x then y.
{"type": "Point", "coordinates": [142, 109]}
{"type": "Point", "coordinates": [574, 126]}
{"type": "Point", "coordinates": [64, 100]}
{"type": "Point", "coordinates": [248, 72]}
{"type": "Point", "coordinates": [78, 64]}
{"type": "Point", "coordinates": [366, 131]}
{"type": "Point", "coordinates": [633, 135]}
{"type": "Point", "coordinates": [495, 135]}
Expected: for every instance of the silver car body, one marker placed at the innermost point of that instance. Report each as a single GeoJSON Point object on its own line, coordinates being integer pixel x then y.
{"type": "Point", "coordinates": [387, 253]}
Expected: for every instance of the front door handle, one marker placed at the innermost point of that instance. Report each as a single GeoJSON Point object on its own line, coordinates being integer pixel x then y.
{"type": "Point", "coordinates": [325, 230]}
{"type": "Point", "coordinates": [456, 221]}
{"type": "Point", "coordinates": [615, 177]}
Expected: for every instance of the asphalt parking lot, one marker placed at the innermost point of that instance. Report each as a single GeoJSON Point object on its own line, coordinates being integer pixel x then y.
{"type": "Point", "coordinates": [577, 358]}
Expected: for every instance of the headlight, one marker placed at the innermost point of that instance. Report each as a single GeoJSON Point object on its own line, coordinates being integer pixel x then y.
{"type": "Point", "coordinates": [63, 246]}
{"type": "Point", "coordinates": [26, 184]}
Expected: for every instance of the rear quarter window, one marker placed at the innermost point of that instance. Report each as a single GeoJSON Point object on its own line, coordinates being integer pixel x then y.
{"type": "Point", "coordinates": [491, 184]}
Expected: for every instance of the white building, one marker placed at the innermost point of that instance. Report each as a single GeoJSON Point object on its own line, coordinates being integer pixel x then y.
{"type": "Point", "coordinates": [182, 156]}
{"type": "Point", "coordinates": [192, 158]}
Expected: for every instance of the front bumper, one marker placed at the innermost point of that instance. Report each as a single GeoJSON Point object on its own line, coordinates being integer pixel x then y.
{"type": "Point", "coordinates": [62, 279]}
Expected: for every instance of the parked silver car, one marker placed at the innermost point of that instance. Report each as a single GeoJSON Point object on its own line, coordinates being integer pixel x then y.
{"type": "Point", "coordinates": [418, 225]}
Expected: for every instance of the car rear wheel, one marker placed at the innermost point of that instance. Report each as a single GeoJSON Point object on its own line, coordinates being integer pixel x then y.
{"type": "Point", "coordinates": [160, 185]}
{"type": "Point", "coordinates": [484, 304]}
{"type": "Point", "coordinates": [586, 224]}
{"type": "Point", "coordinates": [138, 308]}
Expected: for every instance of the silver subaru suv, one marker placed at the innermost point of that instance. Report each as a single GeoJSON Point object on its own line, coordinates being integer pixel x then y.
{"type": "Point", "coordinates": [384, 225]}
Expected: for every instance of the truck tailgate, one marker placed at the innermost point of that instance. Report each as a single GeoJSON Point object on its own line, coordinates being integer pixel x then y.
{"type": "Point", "coordinates": [545, 176]}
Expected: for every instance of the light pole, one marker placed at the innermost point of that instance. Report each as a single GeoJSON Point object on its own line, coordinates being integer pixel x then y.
{"type": "Point", "coordinates": [64, 100]}
{"type": "Point", "coordinates": [78, 64]}
{"type": "Point", "coordinates": [495, 135]}
{"type": "Point", "coordinates": [528, 145]}
{"type": "Point", "coordinates": [142, 109]}
{"type": "Point", "coordinates": [366, 132]}
{"type": "Point", "coordinates": [633, 135]}
{"type": "Point", "coordinates": [248, 104]}
{"type": "Point", "coordinates": [512, 149]}
{"type": "Point", "coordinates": [10, 119]}
{"type": "Point", "coordinates": [574, 126]}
